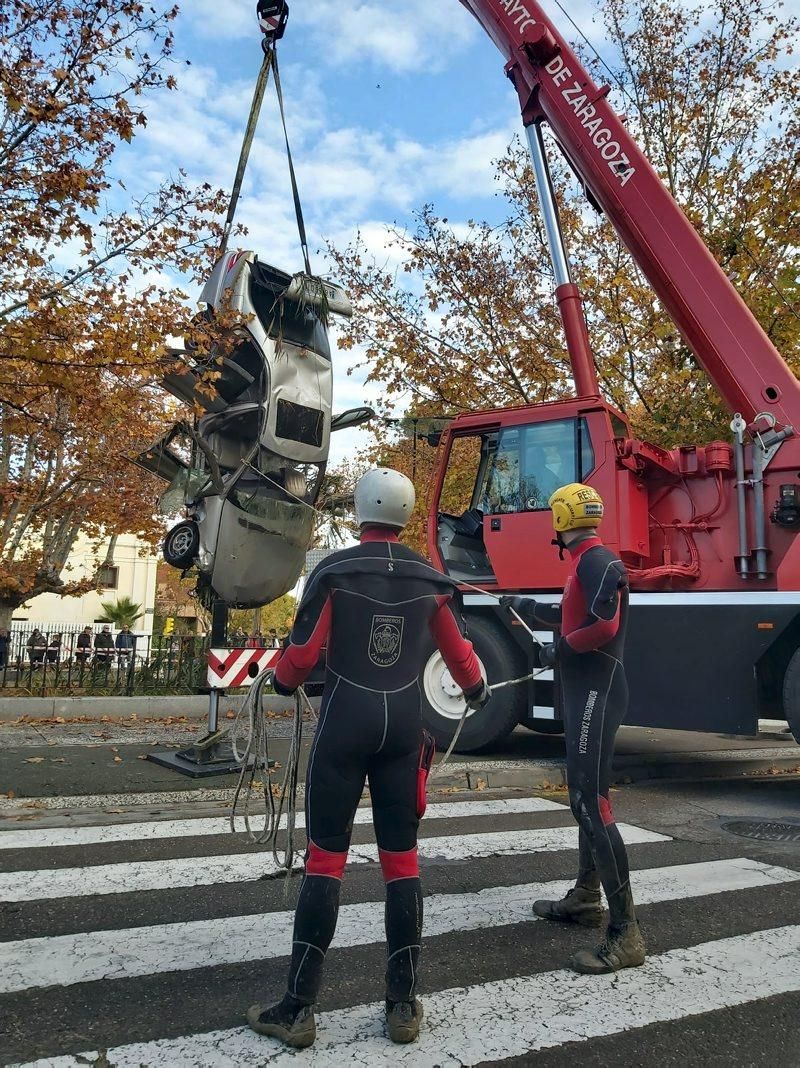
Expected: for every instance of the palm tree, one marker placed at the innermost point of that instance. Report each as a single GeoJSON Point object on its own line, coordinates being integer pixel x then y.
{"type": "Point", "coordinates": [123, 612]}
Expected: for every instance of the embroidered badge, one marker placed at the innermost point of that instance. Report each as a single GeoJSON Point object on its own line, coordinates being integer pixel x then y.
{"type": "Point", "coordinates": [385, 640]}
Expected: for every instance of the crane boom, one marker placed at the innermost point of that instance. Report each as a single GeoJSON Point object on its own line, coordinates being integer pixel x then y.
{"type": "Point", "coordinates": [552, 84]}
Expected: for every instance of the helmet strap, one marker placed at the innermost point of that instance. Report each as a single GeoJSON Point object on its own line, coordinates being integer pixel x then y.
{"type": "Point", "coordinates": [559, 541]}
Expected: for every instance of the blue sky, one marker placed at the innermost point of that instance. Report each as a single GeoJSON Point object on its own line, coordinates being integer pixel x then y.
{"type": "Point", "coordinates": [391, 104]}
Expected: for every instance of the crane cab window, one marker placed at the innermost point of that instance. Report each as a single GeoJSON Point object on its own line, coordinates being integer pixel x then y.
{"type": "Point", "coordinates": [527, 464]}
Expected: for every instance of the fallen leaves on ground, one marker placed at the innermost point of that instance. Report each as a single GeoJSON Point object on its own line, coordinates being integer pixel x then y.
{"type": "Point", "coordinates": [33, 760]}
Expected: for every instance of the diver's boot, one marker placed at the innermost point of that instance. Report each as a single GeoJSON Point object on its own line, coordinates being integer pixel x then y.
{"type": "Point", "coordinates": [403, 1019]}
{"type": "Point", "coordinates": [580, 906]}
{"type": "Point", "coordinates": [289, 1020]}
{"type": "Point", "coordinates": [623, 947]}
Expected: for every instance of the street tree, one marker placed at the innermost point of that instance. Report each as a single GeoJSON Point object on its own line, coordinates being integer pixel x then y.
{"type": "Point", "coordinates": [85, 307]}
{"type": "Point", "coordinates": [123, 612]}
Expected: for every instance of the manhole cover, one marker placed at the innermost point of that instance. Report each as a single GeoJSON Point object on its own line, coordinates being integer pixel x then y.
{"type": "Point", "coordinates": [764, 830]}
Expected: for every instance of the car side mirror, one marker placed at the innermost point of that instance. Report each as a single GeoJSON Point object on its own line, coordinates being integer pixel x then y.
{"type": "Point", "coordinates": [352, 417]}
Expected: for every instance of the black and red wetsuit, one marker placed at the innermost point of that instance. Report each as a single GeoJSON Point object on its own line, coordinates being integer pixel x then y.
{"type": "Point", "coordinates": [373, 607]}
{"type": "Point", "coordinates": [592, 620]}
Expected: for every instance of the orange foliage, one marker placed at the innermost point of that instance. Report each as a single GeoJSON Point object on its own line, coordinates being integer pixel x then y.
{"type": "Point", "coordinates": [82, 325]}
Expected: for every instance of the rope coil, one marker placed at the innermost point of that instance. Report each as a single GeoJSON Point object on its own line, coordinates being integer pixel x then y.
{"type": "Point", "coordinates": [255, 760]}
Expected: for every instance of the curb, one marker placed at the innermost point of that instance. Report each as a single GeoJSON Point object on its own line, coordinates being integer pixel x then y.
{"type": "Point", "coordinates": [547, 776]}
{"type": "Point", "coordinates": [15, 708]}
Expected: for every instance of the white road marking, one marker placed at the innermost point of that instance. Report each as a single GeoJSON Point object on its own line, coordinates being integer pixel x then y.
{"type": "Point", "coordinates": [165, 874]}
{"type": "Point", "coordinates": [121, 954]}
{"type": "Point", "coordinates": [51, 837]}
{"type": "Point", "coordinates": [508, 1018]}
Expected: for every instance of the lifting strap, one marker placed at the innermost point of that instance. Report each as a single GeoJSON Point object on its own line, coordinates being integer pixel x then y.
{"type": "Point", "coordinates": [270, 64]}
{"type": "Point", "coordinates": [298, 208]}
{"type": "Point", "coordinates": [249, 134]}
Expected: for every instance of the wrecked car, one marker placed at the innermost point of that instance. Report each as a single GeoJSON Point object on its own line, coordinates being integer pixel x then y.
{"type": "Point", "coordinates": [248, 469]}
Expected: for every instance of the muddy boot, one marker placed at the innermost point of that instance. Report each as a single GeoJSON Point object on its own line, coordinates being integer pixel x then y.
{"type": "Point", "coordinates": [288, 1021]}
{"type": "Point", "coordinates": [623, 947]}
{"type": "Point", "coordinates": [580, 906]}
{"type": "Point", "coordinates": [403, 1019]}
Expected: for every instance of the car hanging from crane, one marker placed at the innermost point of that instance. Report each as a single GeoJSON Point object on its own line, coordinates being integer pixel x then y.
{"type": "Point", "coordinates": [249, 469]}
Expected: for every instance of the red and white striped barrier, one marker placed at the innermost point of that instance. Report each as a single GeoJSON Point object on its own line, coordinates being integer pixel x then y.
{"type": "Point", "coordinates": [228, 668]}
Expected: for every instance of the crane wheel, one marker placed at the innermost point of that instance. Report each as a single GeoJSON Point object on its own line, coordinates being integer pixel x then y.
{"type": "Point", "coordinates": [443, 705]}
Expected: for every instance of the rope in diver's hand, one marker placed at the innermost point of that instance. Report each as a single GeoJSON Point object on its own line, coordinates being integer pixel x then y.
{"type": "Point", "coordinates": [499, 597]}
{"type": "Point", "coordinates": [495, 686]}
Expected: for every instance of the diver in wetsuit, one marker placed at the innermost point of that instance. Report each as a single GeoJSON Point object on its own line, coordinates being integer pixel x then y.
{"type": "Point", "coordinates": [588, 656]}
{"type": "Point", "coordinates": [374, 607]}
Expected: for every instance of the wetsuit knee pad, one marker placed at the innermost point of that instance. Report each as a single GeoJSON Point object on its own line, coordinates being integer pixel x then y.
{"type": "Point", "coordinates": [321, 861]}
{"type": "Point", "coordinates": [597, 811]}
{"type": "Point", "coordinates": [403, 865]}
{"type": "Point", "coordinates": [606, 813]}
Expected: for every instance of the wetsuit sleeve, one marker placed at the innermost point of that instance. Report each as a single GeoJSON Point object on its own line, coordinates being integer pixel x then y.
{"type": "Point", "coordinates": [456, 650]}
{"type": "Point", "coordinates": [306, 642]}
{"type": "Point", "coordinates": [533, 612]}
{"type": "Point", "coordinates": [549, 614]}
{"type": "Point", "coordinates": [601, 577]}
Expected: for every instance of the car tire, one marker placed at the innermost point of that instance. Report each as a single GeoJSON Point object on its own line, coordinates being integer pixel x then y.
{"type": "Point", "coordinates": [181, 545]}
{"type": "Point", "coordinates": [442, 705]}
{"type": "Point", "coordinates": [791, 694]}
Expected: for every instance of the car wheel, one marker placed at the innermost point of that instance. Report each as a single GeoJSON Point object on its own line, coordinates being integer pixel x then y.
{"type": "Point", "coordinates": [181, 545]}
{"type": "Point", "coordinates": [791, 694]}
{"type": "Point", "coordinates": [443, 704]}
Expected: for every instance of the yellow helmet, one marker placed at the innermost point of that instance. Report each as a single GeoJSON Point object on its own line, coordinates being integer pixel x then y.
{"type": "Point", "coordinates": [576, 507]}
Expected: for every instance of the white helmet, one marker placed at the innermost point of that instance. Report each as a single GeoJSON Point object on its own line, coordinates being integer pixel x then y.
{"type": "Point", "coordinates": [384, 497]}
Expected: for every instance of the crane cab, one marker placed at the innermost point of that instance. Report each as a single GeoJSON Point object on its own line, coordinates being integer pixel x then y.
{"type": "Point", "coordinates": [490, 522]}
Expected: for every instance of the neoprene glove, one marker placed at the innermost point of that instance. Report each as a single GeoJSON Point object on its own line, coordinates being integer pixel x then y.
{"type": "Point", "coordinates": [282, 690]}
{"type": "Point", "coordinates": [548, 655]}
{"type": "Point", "coordinates": [517, 603]}
{"type": "Point", "coordinates": [478, 696]}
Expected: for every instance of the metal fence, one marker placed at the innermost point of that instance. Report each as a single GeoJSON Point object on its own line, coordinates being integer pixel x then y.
{"type": "Point", "coordinates": [41, 666]}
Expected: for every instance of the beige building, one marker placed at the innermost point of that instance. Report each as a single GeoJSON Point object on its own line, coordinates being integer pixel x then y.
{"type": "Point", "coordinates": [133, 574]}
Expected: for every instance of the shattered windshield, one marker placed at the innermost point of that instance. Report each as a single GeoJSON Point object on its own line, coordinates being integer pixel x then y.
{"type": "Point", "coordinates": [185, 486]}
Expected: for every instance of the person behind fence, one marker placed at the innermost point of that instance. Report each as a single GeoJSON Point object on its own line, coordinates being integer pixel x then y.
{"type": "Point", "coordinates": [37, 646]}
{"type": "Point", "coordinates": [375, 607]}
{"type": "Point", "coordinates": [84, 646]}
{"type": "Point", "coordinates": [125, 644]}
{"type": "Point", "coordinates": [54, 649]}
{"type": "Point", "coordinates": [104, 646]}
{"type": "Point", "coordinates": [4, 641]}
{"type": "Point", "coordinates": [588, 657]}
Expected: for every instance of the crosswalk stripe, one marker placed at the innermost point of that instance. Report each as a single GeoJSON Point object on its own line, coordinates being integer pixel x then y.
{"type": "Point", "coordinates": [49, 837]}
{"type": "Point", "coordinates": [125, 878]}
{"type": "Point", "coordinates": [510, 1017]}
{"type": "Point", "coordinates": [122, 954]}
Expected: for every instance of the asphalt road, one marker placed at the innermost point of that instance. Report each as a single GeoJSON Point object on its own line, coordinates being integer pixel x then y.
{"type": "Point", "coordinates": [47, 759]}
{"type": "Point", "coordinates": [141, 940]}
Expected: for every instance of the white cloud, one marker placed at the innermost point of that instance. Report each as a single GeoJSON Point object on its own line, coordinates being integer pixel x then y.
{"type": "Point", "coordinates": [399, 35]}
{"type": "Point", "coordinates": [223, 19]}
